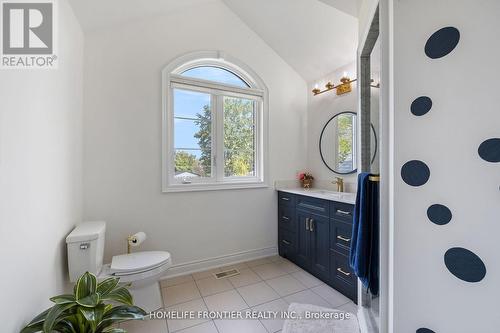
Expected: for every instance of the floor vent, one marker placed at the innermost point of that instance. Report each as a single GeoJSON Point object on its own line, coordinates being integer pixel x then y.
{"type": "Point", "coordinates": [226, 274]}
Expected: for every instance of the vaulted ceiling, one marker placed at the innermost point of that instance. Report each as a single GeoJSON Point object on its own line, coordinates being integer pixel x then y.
{"type": "Point", "coordinates": [315, 37]}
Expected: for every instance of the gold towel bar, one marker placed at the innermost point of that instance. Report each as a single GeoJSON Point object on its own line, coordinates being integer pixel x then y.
{"type": "Point", "coordinates": [374, 178]}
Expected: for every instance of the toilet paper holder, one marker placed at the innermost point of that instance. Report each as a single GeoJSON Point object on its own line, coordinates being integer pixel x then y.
{"type": "Point", "coordinates": [130, 239]}
{"type": "Point", "coordinates": [135, 240]}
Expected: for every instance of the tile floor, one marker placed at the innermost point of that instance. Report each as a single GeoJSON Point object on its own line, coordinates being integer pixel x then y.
{"type": "Point", "coordinates": [267, 284]}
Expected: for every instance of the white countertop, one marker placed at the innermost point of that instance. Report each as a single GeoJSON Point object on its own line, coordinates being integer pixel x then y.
{"type": "Point", "coordinates": [349, 198]}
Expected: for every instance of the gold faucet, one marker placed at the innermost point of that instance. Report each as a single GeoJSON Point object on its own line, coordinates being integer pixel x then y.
{"type": "Point", "coordinates": [340, 184]}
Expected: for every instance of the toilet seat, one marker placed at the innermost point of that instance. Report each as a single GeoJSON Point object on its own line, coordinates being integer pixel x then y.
{"type": "Point", "coordinates": [139, 262]}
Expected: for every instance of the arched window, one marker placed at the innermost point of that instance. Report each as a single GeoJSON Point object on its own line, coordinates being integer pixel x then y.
{"type": "Point", "coordinates": [214, 124]}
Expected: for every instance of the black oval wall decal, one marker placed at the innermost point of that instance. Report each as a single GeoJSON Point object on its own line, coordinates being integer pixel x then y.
{"type": "Point", "coordinates": [464, 264]}
{"type": "Point", "coordinates": [439, 214]}
{"type": "Point", "coordinates": [421, 106]}
{"type": "Point", "coordinates": [415, 173]}
{"type": "Point", "coordinates": [425, 330]}
{"type": "Point", "coordinates": [489, 150]}
{"type": "Point", "coordinates": [442, 42]}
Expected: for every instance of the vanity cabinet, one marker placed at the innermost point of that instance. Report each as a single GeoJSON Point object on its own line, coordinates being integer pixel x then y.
{"type": "Point", "coordinates": [315, 234]}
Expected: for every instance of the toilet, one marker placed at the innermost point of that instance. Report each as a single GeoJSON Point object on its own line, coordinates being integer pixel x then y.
{"type": "Point", "coordinates": [142, 270]}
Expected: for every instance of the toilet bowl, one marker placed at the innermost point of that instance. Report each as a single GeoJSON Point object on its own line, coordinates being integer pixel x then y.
{"type": "Point", "coordinates": [142, 270]}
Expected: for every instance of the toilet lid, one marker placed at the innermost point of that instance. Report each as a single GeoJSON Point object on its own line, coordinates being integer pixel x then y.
{"type": "Point", "coordinates": [138, 261]}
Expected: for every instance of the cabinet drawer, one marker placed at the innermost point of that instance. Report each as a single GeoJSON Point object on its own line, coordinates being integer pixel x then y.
{"type": "Point", "coordinates": [287, 218]}
{"type": "Point", "coordinates": [341, 211]}
{"type": "Point", "coordinates": [313, 205]}
{"type": "Point", "coordinates": [286, 199]}
{"type": "Point", "coordinates": [340, 236]}
{"type": "Point", "coordinates": [343, 279]}
{"type": "Point", "coordinates": [287, 243]}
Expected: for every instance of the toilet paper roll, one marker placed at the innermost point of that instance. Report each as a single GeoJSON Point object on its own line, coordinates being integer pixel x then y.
{"type": "Point", "coordinates": [137, 239]}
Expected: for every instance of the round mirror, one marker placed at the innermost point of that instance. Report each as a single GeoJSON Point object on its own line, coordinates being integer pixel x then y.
{"type": "Point", "coordinates": [337, 143]}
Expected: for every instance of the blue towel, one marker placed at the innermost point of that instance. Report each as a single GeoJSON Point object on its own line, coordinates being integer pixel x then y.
{"type": "Point", "coordinates": [364, 256]}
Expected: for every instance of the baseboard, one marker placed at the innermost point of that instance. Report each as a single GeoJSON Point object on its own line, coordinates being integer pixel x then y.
{"type": "Point", "coordinates": [209, 263]}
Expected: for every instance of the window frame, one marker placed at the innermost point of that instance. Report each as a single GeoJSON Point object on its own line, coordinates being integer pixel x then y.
{"type": "Point", "coordinates": [257, 91]}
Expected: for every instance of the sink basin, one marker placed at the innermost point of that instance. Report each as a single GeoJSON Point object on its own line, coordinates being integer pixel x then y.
{"type": "Point", "coordinates": [335, 195]}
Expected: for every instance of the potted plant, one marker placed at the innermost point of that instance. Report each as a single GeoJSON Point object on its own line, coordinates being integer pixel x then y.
{"type": "Point", "coordinates": [87, 310]}
{"type": "Point", "coordinates": [306, 179]}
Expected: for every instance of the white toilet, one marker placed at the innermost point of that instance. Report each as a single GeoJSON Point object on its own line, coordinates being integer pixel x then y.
{"type": "Point", "coordinates": [142, 269]}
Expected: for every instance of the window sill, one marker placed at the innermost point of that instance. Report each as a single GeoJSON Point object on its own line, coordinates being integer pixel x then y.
{"type": "Point", "coordinates": [213, 187]}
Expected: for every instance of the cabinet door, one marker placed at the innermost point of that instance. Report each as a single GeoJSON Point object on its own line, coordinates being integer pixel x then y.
{"type": "Point", "coordinates": [320, 245]}
{"type": "Point", "coordinates": [303, 245]}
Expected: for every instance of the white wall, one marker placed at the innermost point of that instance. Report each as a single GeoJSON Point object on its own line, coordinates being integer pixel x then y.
{"type": "Point", "coordinates": [40, 176]}
{"type": "Point", "coordinates": [320, 109]}
{"type": "Point", "coordinates": [464, 88]}
{"type": "Point", "coordinates": [122, 139]}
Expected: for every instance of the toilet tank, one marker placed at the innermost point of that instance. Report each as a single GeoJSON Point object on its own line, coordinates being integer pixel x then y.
{"type": "Point", "coordinates": [86, 249]}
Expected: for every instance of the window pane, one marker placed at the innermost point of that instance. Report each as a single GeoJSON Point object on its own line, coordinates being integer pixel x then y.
{"type": "Point", "coordinates": [192, 134]}
{"type": "Point", "coordinates": [215, 74]}
{"type": "Point", "coordinates": [346, 129]}
{"type": "Point", "coordinates": [239, 137]}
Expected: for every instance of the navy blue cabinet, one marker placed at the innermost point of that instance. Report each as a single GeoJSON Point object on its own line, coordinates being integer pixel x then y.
{"type": "Point", "coordinates": [320, 242]}
{"type": "Point", "coordinates": [315, 234]}
{"type": "Point", "coordinates": [303, 257]}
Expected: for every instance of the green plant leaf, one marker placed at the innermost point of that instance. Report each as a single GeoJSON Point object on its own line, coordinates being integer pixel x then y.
{"type": "Point", "coordinates": [66, 326]}
{"type": "Point", "coordinates": [120, 295]}
{"type": "Point", "coordinates": [119, 314]}
{"type": "Point", "coordinates": [63, 299]}
{"type": "Point", "coordinates": [89, 301]}
{"type": "Point", "coordinates": [93, 315]}
{"type": "Point", "coordinates": [106, 286]}
{"type": "Point", "coordinates": [85, 286]}
{"type": "Point", "coordinates": [38, 327]}
{"type": "Point", "coordinates": [38, 319]}
{"type": "Point", "coordinates": [55, 314]}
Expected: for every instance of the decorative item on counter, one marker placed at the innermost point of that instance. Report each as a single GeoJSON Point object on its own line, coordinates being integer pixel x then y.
{"type": "Point", "coordinates": [306, 179]}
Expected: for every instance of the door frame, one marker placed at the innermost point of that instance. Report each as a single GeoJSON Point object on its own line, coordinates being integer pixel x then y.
{"type": "Point", "coordinates": [380, 9]}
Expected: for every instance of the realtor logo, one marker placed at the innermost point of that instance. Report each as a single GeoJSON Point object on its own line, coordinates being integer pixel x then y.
{"type": "Point", "coordinates": [28, 34]}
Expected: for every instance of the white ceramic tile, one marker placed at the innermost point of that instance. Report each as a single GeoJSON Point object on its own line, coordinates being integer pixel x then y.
{"type": "Point", "coordinates": [349, 307]}
{"type": "Point", "coordinates": [307, 279]}
{"type": "Point", "coordinates": [246, 277]}
{"type": "Point", "coordinates": [205, 274]}
{"type": "Point", "coordinates": [307, 297]}
{"type": "Point", "coordinates": [273, 325]}
{"type": "Point", "coordinates": [211, 285]}
{"type": "Point", "coordinates": [240, 326]}
{"type": "Point", "coordinates": [179, 324]}
{"type": "Point", "coordinates": [180, 293]}
{"type": "Point", "coordinates": [208, 327]}
{"type": "Point", "coordinates": [258, 293]}
{"type": "Point", "coordinates": [331, 295]}
{"type": "Point", "coordinates": [150, 326]}
{"type": "Point", "coordinates": [288, 266]}
{"type": "Point", "coordinates": [226, 301]}
{"type": "Point", "coordinates": [176, 280]}
{"type": "Point", "coordinates": [276, 258]}
{"type": "Point", "coordinates": [257, 262]}
{"type": "Point", "coordinates": [268, 271]}
{"type": "Point", "coordinates": [286, 285]}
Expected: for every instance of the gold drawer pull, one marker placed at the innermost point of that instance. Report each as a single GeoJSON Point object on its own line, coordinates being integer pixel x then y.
{"type": "Point", "coordinates": [342, 271]}
{"type": "Point", "coordinates": [285, 217]}
{"type": "Point", "coordinates": [286, 199]}
{"type": "Point", "coordinates": [286, 242]}
{"type": "Point", "coordinates": [343, 212]}
{"type": "Point", "coordinates": [344, 239]}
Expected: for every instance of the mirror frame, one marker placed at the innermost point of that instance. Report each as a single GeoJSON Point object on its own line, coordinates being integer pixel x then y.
{"type": "Point", "coordinates": [321, 137]}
